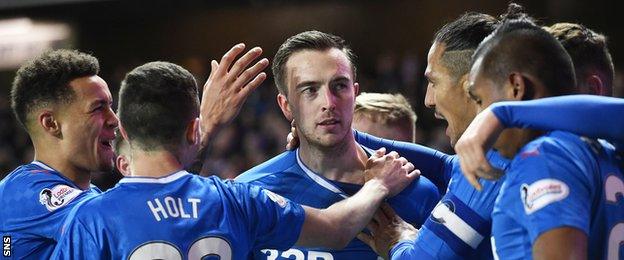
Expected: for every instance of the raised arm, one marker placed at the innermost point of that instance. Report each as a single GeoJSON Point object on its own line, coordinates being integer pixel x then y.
{"type": "Point", "coordinates": [230, 82]}
{"type": "Point", "coordinates": [594, 116]}
{"type": "Point", "coordinates": [589, 115]}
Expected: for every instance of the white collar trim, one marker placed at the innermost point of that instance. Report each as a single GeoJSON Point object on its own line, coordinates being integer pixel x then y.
{"type": "Point", "coordinates": [161, 180]}
{"type": "Point", "coordinates": [43, 165]}
{"type": "Point", "coordinates": [318, 179]}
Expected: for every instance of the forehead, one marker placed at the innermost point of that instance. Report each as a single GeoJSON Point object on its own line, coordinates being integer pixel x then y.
{"type": "Point", "coordinates": [315, 65]}
{"type": "Point", "coordinates": [90, 88]}
{"type": "Point", "coordinates": [435, 67]}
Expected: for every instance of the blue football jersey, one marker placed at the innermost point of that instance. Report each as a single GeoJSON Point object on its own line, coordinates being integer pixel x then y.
{"type": "Point", "coordinates": [35, 200]}
{"type": "Point", "coordinates": [460, 225]}
{"type": "Point", "coordinates": [180, 216]}
{"type": "Point", "coordinates": [561, 180]}
{"type": "Point", "coordinates": [286, 175]}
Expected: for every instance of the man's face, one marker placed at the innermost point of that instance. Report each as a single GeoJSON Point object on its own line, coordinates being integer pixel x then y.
{"type": "Point", "coordinates": [321, 96]}
{"type": "Point", "coordinates": [482, 90]}
{"type": "Point", "coordinates": [446, 94]}
{"type": "Point", "coordinates": [87, 125]}
{"type": "Point", "coordinates": [388, 131]}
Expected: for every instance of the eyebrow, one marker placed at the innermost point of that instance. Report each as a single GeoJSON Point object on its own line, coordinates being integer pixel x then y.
{"type": "Point", "coordinates": [305, 83]}
{"type": "Point", "coordinates": [99, 102]}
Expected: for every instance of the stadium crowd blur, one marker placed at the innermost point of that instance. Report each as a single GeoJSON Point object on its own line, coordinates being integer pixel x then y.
{"type": "Point", "coordinates": [260, 131]}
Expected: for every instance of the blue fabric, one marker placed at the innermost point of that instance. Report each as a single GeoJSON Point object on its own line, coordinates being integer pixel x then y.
{"type": "Point", "coordinates": [558, 180]}
{"type": "Point", "coordinates": [435, 164]}
{"type": "Point", "coordinates": [283, 175]}
{"type": "Point", "coordinates": [589, 115]}
{"type": "Point", "coordinates": [178, 216]}
{"type": "Point", "coordinates": [35, 200]}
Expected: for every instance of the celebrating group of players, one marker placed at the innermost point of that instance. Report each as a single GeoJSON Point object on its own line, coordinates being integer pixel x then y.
{"type": "Point", "coordinates": [550, 187]}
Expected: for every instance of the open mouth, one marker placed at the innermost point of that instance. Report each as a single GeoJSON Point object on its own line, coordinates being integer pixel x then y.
{"type": "Point", "coordinates": [107, 143]}
{"type": "Point", "coordinates": [439, 116]}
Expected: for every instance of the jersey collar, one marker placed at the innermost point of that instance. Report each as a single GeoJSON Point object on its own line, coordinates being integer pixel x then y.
{"type": "Point", "coordinates": [161, 180]}
{"type": "Point", "coordinates": [320, 180]}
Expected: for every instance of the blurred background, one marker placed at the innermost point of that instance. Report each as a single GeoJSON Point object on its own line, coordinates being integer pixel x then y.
{"type": "Point", "coordinates": [391, 39]}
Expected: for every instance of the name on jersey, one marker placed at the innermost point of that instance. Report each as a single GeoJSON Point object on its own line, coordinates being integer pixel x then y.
{"type": "Point", "coordinates": [58, 196]}
{"type": "Point", "coordinates": [542, 193]}
{"type": "Point", "coordinates": [171, 207]}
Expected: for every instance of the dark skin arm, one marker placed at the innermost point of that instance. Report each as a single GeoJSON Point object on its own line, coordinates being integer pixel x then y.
{"type": "Point", "coordinates": [561, 243]}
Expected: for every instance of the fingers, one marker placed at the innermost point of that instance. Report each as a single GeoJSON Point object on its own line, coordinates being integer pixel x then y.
{"type": "Point", "coordinates": [250, 73]}
{"type": "Point", "coordinates": [367, 239]}
{"type": "Point", "coordinates": [372, 226]}
{"type": "Point", "coordinates": [388, 211]}
{"type": "Point", "coordinates": [292, 141]}
{"type": "Point", "coordinates": [244, 61]}
{"type": "Point", "coordinates": [379, 153]}
{"type": "Point", "coordinates": [407, 167]}
{"type": "Point", "coordinates": [470, 176]}
{"type": "Point", "coordinates": [229, 57]}
{"type": "Point", "coordinates": [413, 174]}
{"type": "Point", "coordinates": [255, 83]}
{"type": "Point", "coordinates": [381, 218]}
{"type": "Point", "coordinates": [392, 155]}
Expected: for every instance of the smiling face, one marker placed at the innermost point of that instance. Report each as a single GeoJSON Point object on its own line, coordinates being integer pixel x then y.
{"type": "Point", "coordinates": [446, 94]}
{"type": "Point", "coordinates": [87, 125]}
{"type": "Point", "coordinates": [321, 96]}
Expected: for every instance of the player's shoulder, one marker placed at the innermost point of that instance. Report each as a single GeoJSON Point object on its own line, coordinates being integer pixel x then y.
{"type": "Point", "coordinates": [35, 184]}
{"type": "Point", "coordinates": [278, 164]}
{"type": "Point", "coordinates": [556, 153]}
{"type": "Point", "coordinates": [555, 142]}
{"type": "Point", "coordinates": [33, 175]}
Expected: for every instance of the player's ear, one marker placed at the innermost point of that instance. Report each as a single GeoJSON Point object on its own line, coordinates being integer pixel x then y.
{"type": "Point", "coordinates": [356, 88]}
{"type": "Point", "coordinates": [193, 132]}
{"type": "Point", "coordinates": [282, 101]}
{"type": "Point", "coordinates": [516, 86]}
{"type": "Point", "coordinates": [49, 123]}
{"type": "Point", "coordinates": [123, 165]}
{"type": "Point", "coordinates": [595, 85]}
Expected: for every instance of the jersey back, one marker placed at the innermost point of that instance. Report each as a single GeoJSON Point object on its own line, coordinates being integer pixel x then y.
{"type": "Point", "coordinates": [181, 216]}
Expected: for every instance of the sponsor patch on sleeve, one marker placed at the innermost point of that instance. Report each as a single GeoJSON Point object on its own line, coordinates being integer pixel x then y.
{"type": "Point", "coordinates": [541, 193]}
{"type": "Point", "coordinates": [58, 196]}
{"type": "Point", "coordinates": [281, 201]}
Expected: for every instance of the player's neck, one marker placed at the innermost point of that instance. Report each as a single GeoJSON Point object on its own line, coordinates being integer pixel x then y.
{"type": "Point", "coordinates": [51, 157]}
{"type": "Point", "coordinates": [153, 164]}
{"type": "Point", "coordinates": [344, 162]}
{"type": "Point", "coordinates": [512, 140]}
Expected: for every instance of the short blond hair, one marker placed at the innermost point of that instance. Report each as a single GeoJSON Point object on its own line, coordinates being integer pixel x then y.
{"type": "Point", "coordinates": [393, 109]}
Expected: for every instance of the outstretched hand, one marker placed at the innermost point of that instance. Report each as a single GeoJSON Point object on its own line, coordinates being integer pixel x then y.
{"type": "Point", "coordinates": [472, 146]}
{"type": "Point", "coordinates": [230, 82]}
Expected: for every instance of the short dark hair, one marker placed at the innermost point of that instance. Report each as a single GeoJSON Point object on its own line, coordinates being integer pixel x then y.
{"type": "Point", "coordinates": [518, 44]}
{"type": "Point", "coordinates": [309, 40]}
{"type": "Point", "coordinates": [156, 102]}
{"type": "Point", "coordinates": [45, 80]}
{"type": "Point", "coordinates": [587, 49]}
{"type": "Point", "coordinates": [461, 38]}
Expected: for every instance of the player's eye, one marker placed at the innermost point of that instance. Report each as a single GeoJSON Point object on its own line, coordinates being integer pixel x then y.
{"type": "Point", "coordinates": [309, 90]}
